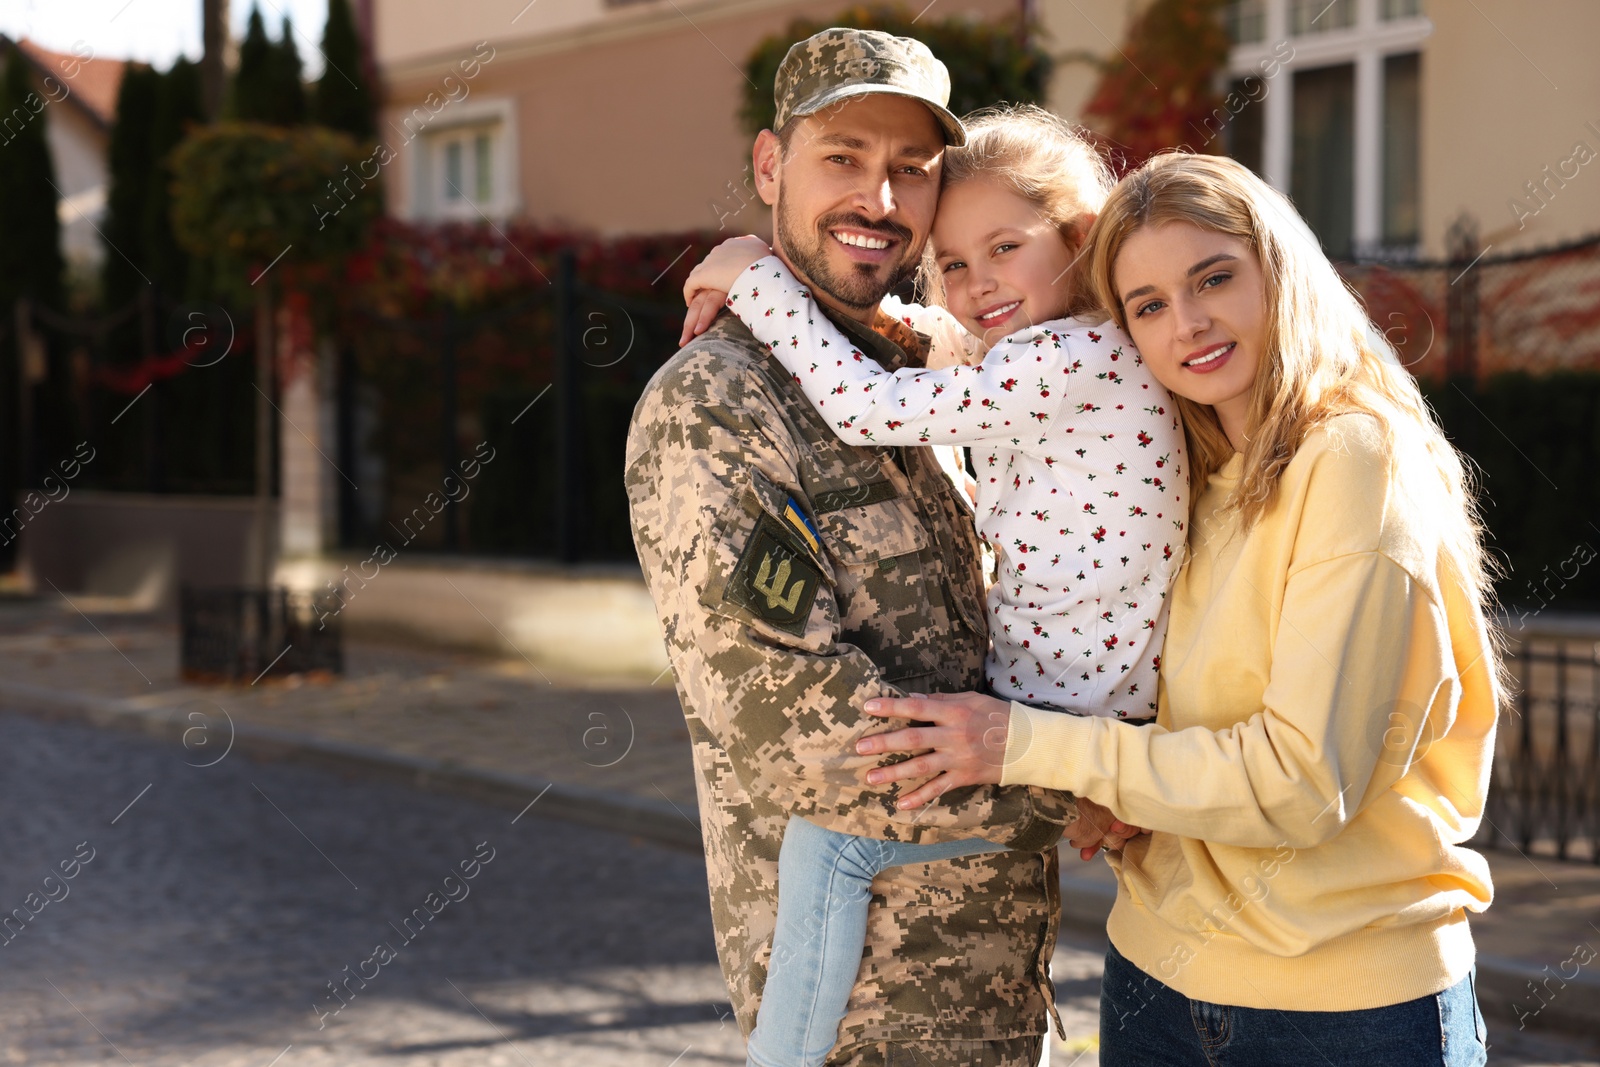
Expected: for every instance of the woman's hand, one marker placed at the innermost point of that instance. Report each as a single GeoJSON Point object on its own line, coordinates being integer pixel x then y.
{"type": "Point", "coordinates": [1096, 829]}
{"type": "Point", "coordinates": [967, 738]}
{"type": "Point", "coordinates": [708, 285]}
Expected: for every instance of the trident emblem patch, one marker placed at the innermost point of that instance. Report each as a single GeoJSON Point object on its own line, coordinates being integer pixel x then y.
{"type": "Point", "coordinates": [777, 577]}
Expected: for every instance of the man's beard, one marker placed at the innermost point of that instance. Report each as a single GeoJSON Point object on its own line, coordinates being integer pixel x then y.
{"type": "Point", "coordinates": [862, 286]}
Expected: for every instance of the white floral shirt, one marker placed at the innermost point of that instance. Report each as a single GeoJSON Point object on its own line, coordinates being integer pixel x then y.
{"type": "Point", "coordinates": [1083, 493]}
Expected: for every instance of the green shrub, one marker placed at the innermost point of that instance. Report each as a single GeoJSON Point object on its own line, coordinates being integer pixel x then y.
{"type": "Point", "coordinates": [245, 192]}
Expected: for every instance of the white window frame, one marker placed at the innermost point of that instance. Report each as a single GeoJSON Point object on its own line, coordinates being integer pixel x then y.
{"type": "Point", "coordinates": [1366, 44]}
{"type": "Point", "coordinates": [498, 116]}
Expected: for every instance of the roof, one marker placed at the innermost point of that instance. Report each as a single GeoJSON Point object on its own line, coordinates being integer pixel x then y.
{"type": "Point", "coordinates": [93, 84]}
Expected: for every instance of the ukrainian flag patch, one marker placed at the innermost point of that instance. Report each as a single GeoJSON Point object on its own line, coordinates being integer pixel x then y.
{"type": "Point", "coordinates": [802, 525]}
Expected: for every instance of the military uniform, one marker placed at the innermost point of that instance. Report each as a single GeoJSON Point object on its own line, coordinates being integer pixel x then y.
{"type": "Point", "coordinates": [796, 576]}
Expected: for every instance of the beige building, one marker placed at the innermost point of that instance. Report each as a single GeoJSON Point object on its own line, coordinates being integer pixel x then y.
{"type": "Point", "coordinates": [613, 117]}
{"type": "Point", "coordinates": [1385, 119]}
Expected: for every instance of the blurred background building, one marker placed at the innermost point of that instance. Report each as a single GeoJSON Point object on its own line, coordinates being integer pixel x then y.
{"type": "Point", "coordinates": [408, 388]}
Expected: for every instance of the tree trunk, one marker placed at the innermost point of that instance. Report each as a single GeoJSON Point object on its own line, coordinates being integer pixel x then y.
{"type": "Point", "coordinates": [214, 56]}
{"type": "Point", "coordinates": [261, 564]}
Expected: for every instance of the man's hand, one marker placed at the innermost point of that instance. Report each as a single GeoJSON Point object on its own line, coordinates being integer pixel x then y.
{"type": "Point", "coordinates": [966, 745]}
{"type": "Point", "coordinates": [967, 739]}
{"type": "Point", "coordinates": [708, 285]}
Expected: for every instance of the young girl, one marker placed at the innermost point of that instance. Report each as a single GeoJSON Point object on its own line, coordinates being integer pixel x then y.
{"type": "Point", "coordinates": [1330, 685]}
{"type": "Point", "coordinates": [1081, 494]}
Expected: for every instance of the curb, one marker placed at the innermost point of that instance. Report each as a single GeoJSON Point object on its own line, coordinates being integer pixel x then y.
{"type": "Point", "coordinates": [1571, 1006]}
{"type": "Point", "coordinates": [658, 821]}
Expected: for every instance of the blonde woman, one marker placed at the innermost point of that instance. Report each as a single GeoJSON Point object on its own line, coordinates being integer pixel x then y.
{"type": "Point", "coordinates": [1329, 682]}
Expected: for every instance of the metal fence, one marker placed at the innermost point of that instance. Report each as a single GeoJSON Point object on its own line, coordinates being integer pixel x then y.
{"type": "Point", "coordinates": [1544, 793]}
{"type": "Point", "coordinates": [242, 635]}
{"type": "Point", "coordinates": [547, 384]}
{"type": "Point", "coordinates": [1475, 314]}
{"type": "Point", "coordinates": [164, 390]}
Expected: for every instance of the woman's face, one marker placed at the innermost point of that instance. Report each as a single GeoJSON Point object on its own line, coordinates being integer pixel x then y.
{"type": "Point", "coordinates": [1196, 307]}
{"type": "Point", "coordinates": [1004, 264]}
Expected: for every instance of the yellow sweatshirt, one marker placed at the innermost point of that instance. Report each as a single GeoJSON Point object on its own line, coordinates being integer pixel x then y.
{"type": "Point", "coordinates": [1322, 750]}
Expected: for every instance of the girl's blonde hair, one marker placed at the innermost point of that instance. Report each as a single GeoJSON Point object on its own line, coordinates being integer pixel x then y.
{"type": "Point", "coordinates": [1041, 157]}
{"type": "Point", "coordinates": [1322, 356]}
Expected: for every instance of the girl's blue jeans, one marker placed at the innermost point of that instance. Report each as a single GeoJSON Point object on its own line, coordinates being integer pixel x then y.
{"type": "Point", "coordinates": [824, 885]}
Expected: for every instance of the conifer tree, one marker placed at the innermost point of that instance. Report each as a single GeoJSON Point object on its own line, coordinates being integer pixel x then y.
{"type": "Point", "coordinates": [179, 106]}
{"type": "Point", "coordinates": [289, 92]}
{"type": "Point", "coordinates": [342, 101]}
{"type": "Point", "coordinates": [30, 235]}
{"type": "Point", "coordinates": [125, 265]}
{"type": "Point", "coordinates": [251, 98]}
{"type": "Point", "coordinates": [267, 86]}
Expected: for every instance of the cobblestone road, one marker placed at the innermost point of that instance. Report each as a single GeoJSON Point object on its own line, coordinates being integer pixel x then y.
{"type": "Point", "coordinates": [209, 908]}
{"type": "Point", "coordinates": [218, 903]}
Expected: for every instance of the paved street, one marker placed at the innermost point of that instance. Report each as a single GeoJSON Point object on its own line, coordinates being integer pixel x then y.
{"type": "Point", "coordinates": [213, 912]}
{"type": "Point", "coordinates": [210, 907]}
{"type": "Point", "coordinates": [217, 908]}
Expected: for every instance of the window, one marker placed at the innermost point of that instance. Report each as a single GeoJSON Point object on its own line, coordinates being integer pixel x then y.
{"type": "Point", "coordinates": [1400, 9]}
{"type": "Point", "coordinates": [1335, 114]}
{"type": "Point", "coordinates": [1322, 167]}
{"type": "Point", "coordinates": [1402, 80]}
{"type": "Point", "coordinates": [466, 162]}
{"type": "Point", "coordinates": [1247, 20]}
{"type": "Point", "coordinates": [1320, 16]}
{"type": "Point", "coordinates": [466, 166]}
{"type": "Point", "coordinates": [1244, 132]}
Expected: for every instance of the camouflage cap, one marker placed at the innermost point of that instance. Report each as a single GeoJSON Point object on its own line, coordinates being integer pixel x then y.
{"type": "Point", "coordinates": [840, 63]}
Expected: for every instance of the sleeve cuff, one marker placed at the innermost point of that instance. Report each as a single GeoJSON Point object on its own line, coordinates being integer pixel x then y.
{"type": "Point", "coordinates": [1046, 748]}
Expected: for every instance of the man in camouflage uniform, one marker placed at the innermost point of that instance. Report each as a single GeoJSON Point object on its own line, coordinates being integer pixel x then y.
{"type": "Point", "coordinates": [797, 576]}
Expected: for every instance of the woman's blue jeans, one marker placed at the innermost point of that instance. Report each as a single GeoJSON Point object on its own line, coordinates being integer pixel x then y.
{"type": "Point", "coordinates": [824, 886]}
{"type": "Point", "coordinates": [1144, 1023]}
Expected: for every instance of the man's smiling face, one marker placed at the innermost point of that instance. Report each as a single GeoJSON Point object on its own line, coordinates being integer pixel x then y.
{"type": "Point", "coordinates": [854, 196]}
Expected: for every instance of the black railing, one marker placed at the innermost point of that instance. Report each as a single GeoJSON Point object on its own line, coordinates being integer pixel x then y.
{"type": "Point", "coordinates": [1544, 794]}
{"type": "Point", "coordinates": [231, 635]}
{"type": "Point", "coordinates": [548, 381]}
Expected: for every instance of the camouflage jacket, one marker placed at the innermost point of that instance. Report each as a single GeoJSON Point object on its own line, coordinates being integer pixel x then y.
{"type": "Point", "coordinates": [795, 577]}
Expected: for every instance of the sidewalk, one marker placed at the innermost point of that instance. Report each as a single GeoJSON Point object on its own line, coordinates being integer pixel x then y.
{"type": "Point", "coordinates": [510, 733]}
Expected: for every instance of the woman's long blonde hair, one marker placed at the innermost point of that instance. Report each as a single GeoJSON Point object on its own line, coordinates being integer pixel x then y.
{"type": "Point", "coordinates": [1322, 356]}
{"type": "Point", "coordinates": [1042, 158]}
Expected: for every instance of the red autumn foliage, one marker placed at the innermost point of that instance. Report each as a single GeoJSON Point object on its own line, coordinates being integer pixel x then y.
{"type": "Point", "coordinates": [1156, 93]}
